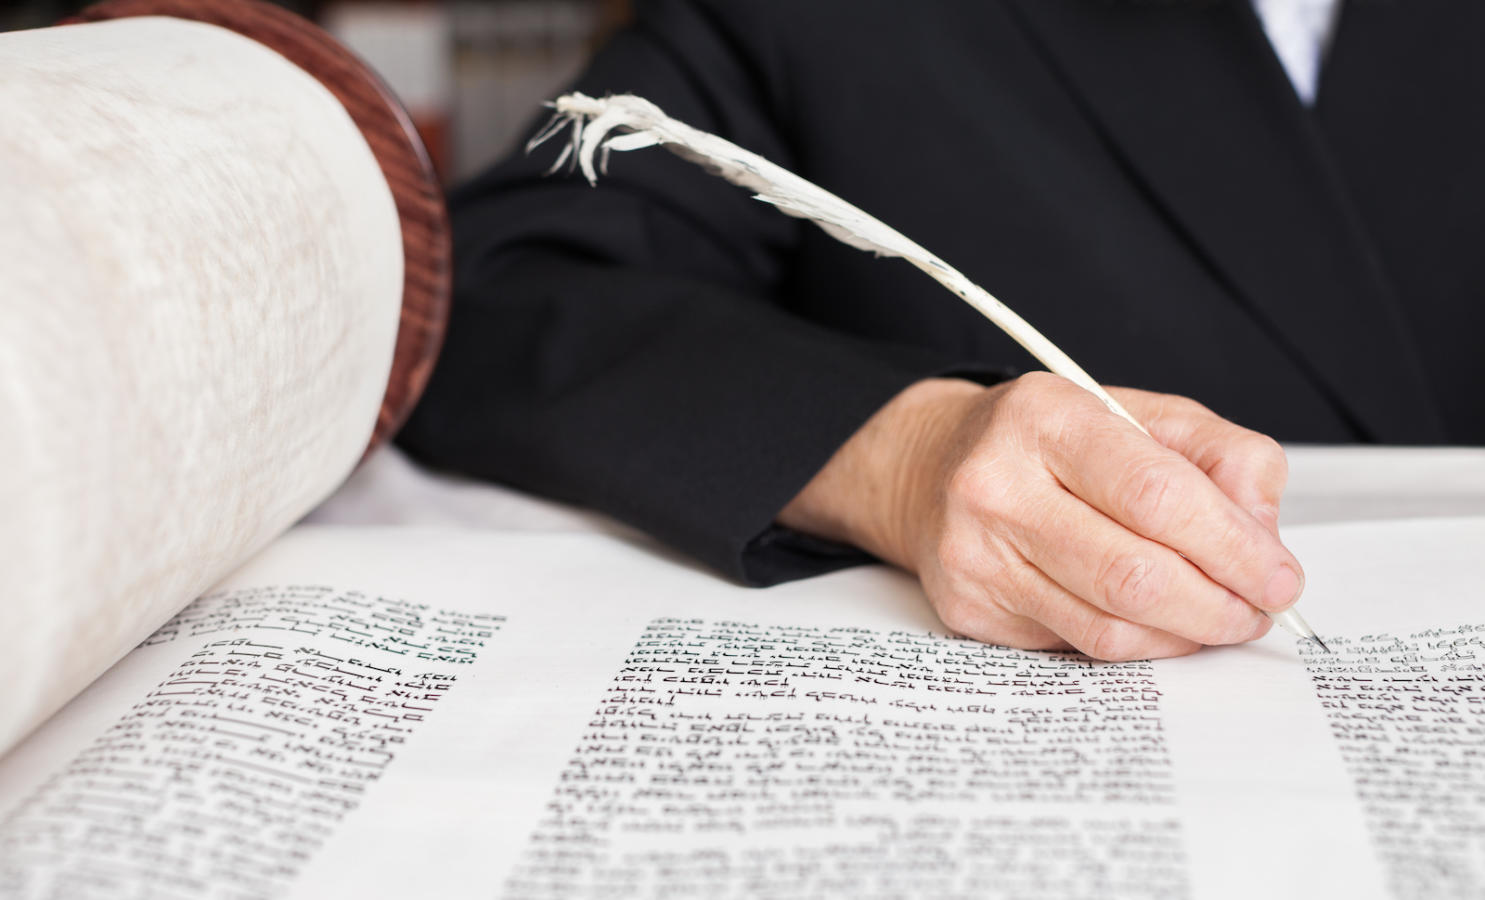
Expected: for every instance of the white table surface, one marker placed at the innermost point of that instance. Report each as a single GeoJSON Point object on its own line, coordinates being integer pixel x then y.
{"type": "Point", "coordinates": [1326, 484]}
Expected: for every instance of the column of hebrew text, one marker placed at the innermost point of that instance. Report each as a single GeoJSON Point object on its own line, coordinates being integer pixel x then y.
{"type": "Point", "coordinates": [286, 707]}
{"type": "Point", "coordinates": [741, 759]}
{"type": "Point", "coordinates": [1408, 713]}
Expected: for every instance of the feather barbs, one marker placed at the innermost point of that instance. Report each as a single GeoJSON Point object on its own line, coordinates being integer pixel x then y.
{"type": "Point", "coordinates": [624, 122]}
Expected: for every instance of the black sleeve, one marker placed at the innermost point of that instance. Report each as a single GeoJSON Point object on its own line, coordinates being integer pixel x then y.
{"type": "Point", "coordinates": [625, 346]}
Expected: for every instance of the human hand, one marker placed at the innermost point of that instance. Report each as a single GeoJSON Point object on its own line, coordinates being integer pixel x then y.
{"type": "Point", "coordinates": [1037, 518]}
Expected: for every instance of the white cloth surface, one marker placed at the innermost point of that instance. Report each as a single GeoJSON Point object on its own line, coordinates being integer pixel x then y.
{"type": "Point", "coordinates": [1355, 484]}
{"type": "Point", "coordinates": [390, 489]}
{"type": "Point", "coordinates": [1300, 31]}
{"type": "Point", "coordinates": [1326, 484]}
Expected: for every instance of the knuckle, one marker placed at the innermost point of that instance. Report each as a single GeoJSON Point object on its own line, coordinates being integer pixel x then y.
{"type": "Point", "coordinates": [1245, 542]}
{"type": "Point", "coordinates": [979, 594]}
{"type": "Point", "coordinates": [970, 487]}
{"type": "Point", "coordinates": [1189, 407]}
{"type": "Point", "coordinates": [1129, 584]}
{"type": "Point", "coordinates": [1114, 640]}
{"type": "Point", "coordinates": [1268, 459]}
{"type": "Point", "coordinates": [1039, 382]}
{"type": "Point", "coordinates": [1015, 408]}
{"type": "Point", "coordinates": [1224, 633]}
{"type": "Point", "coordinates": [1030, 395]}
{"type": "Point", "coordinates": [1232, 627]}
{"type": "Point", "coordinates": [1178, 406]}
{"type": "Point", "coordinates": [989, 489]}
{"type": "Point", "coordinates": [1045, 417]}
{"type": "Point", "coordinates": [956, 616]}
{"type": "Point", "coordinates": [1263, 447]}
{"type": "Point", "coordinates": [1248, 553]}
{"type": "Point", "coordinates": [1255, 459]}
{"type": "Point", "coordinates": [968, 615]}
{"type": "Point", "coordinates": [1146, 495]}
{"type": "Point", "coordinates": [956, 555]}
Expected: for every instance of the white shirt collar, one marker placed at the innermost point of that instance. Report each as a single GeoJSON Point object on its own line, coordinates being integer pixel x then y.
{"type": "Point", "coordinates": [1300, 31]}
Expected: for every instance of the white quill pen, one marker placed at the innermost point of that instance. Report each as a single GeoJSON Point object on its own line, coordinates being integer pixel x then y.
{"type": "Point", "coordinates": [626, 122]}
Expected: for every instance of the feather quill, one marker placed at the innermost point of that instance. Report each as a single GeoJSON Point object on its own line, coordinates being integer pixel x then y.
{"type": "Point", "coordinates": [625, 122]}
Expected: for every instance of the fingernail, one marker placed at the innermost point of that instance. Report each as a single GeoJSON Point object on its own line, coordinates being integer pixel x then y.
{"type": "Point", "coordinates": [1283, 588]}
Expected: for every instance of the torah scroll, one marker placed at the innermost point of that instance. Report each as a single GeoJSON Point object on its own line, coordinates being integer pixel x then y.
{"type": "Point", "coordinates": [223, 274]}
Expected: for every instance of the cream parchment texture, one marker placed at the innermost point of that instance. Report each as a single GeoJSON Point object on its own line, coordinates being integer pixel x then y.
{"type": "Point", "coordinates": [200, 280]}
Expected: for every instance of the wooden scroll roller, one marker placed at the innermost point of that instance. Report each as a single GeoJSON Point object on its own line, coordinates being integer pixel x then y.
{"type": "Point", "coordinates": [224, 277]}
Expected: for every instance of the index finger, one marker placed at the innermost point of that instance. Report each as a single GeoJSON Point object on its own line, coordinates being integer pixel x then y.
{"type": "Point", "coordinates": [1249, 467]}
{"type": "Point", "coordinates": [1158, 493]}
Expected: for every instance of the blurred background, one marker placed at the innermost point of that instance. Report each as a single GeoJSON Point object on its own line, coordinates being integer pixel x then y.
{"type": "Point", "coordinates": [473, 73]}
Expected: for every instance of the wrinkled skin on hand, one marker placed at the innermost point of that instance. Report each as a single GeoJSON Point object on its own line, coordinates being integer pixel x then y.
{"type": "Point", "coordinates": [1037, 518]}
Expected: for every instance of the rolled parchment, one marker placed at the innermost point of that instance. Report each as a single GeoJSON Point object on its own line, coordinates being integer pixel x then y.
{"type": "Point", "coordinates": [219, 231]}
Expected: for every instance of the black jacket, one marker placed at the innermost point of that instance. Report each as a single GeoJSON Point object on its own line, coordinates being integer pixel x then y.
{"type": "Point", "coordinates": [1136, 178]}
